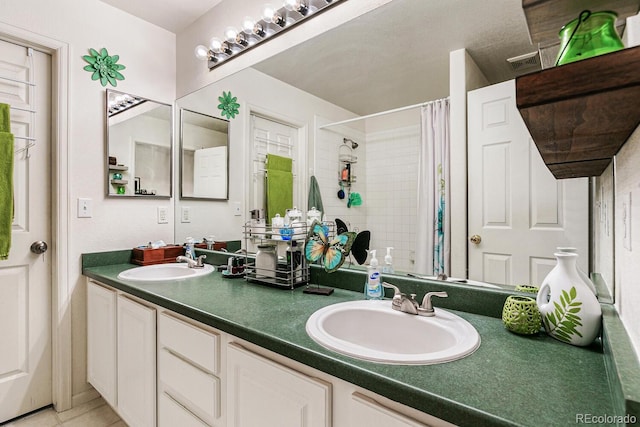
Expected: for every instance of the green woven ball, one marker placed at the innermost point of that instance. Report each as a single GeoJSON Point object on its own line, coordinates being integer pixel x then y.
{"type": "Point", "coordinates": [521, 315]}
{"type": "Point", "coordinates": [529, 289]}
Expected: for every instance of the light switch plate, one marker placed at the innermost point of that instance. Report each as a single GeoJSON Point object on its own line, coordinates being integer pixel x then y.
{"type": "Point", "coordinates": [163, 215]}
{"type": "Point", "coordinates": [626, 221]}
{"type": "Point", "coordinates": [185, 214]}
{"type": "Point", "coordinates": [84, 208]}
{"type": "Point", "coordinates": [236, 209]}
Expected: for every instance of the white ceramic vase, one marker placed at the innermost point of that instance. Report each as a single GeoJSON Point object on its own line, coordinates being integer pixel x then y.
{"type": "Point", "coordinates": [582, 274]}
{"type": "Point", "coordinates": [570, 311]}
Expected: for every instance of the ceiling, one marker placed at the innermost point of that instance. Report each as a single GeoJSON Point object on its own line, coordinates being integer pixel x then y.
{"type": "Point", "coordinates": [172, 15]}
{"type": "Point", "coordinates": [393, 56]}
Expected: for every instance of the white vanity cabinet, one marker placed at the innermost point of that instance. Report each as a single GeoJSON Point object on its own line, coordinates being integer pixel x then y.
{"type": "Point", "coordinates": [208, 378]}
{"type": "Point", "coordinates": [264, 393]}
{"type": "Point", "coordinates": [365, 411]}
{"type": "Point", "coordinates": [189, 386]}
{"type": "Point", "coordinates": [101, 341]}
{"type": "Point", "coordinates": [121, 353]}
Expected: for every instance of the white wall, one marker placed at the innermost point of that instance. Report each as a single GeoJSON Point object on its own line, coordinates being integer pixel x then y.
{"type": "Point", "coordinates": [627, 261]}
{"type": "Point", "coordinates": [464, 75]}
{"type": "Point", "coordinates": [148, 52]}
{"type": "Point", "coordinates": [257, 92]}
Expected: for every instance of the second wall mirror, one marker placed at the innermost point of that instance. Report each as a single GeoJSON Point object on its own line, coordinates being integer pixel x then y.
{"type": "Point", "coordinates": [204, 156]}
{"type": "Point", "coordinates": [139, 146]}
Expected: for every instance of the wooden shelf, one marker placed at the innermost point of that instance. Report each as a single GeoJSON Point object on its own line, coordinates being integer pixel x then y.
{"type": "Point", "coordinates": [580, 114]}
{"type": "Point", "coordinates": [545, 18]}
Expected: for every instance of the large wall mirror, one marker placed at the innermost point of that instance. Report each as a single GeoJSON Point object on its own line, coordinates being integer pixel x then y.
{"type": "Point", "coordinates": [330, 78]}
{"type": "Point", "coordinates": [139, 146]}
{"type": "Point", "coordinates": [204, 156]}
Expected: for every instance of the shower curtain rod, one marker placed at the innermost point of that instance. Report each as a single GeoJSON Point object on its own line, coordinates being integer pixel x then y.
{"type": "Point", "coordinates": [382, 113]}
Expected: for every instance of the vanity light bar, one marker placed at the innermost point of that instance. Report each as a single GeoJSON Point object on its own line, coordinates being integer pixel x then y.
{"type": "Point", "coordinates": [273, 22]}
{"type": "Point", "coordinates": [117, 103]}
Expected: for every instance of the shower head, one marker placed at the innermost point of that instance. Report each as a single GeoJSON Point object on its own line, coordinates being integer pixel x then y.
{"type": "Point", "coordinates": [354, 144]}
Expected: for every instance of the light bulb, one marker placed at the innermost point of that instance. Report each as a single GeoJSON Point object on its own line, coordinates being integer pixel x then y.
{"type": "Point", "coordinates": [230, 34]}
{"type": "Point", "coordinates": [270, 14]}
{"type": "Point", "coordinates": [297, 6]}
{"type": "Point", "coordinates": [201, 52]}
{"type": "Point", "coordinates": [215, 44]}
{"type": "Point", "coordinates": [247, 24]}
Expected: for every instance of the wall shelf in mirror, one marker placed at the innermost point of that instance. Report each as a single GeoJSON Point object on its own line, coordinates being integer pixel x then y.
{"type": "Point", "coordinates": [580, 114]}
{"type": "Point", "coordinates": [118, 168]}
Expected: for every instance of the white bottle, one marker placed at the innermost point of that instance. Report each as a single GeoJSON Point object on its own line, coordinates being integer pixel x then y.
{"type": "Point", "coordinates": [388, 262]}
{"type": "Point", "coordinates": [373, 286]}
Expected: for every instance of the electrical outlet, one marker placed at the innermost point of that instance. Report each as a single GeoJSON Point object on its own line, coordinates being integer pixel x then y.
{"type": "Point", "coordinates": [236, 209]}
{"type": "Point", "coordinates": [84, 208]}
{"type": "Point", "coordinates": [626, 221]}
{"type": "Point", "coordinates": [186, 214]}
{"type": "Point", "coordinates": [163, 215]}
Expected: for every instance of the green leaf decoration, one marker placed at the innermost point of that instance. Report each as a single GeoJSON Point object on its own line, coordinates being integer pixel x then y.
{"type": "Point", "coordinates": [104, 67]}
{"type": "Point", "coordinates": [228, 105]}
{"type": "Point", "coordinates": [563, 322]}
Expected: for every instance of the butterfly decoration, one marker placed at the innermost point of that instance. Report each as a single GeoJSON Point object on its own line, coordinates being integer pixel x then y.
{"type": "Point", "coordinates": [360, 247]}
{"type": "Point", "coordinates": [331, 253]}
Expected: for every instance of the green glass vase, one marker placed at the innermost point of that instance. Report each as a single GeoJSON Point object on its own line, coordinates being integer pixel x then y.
{"type": "Point", "coordinates": [591, 34]}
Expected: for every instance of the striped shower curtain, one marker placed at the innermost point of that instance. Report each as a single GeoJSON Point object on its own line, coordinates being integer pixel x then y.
{"type": "Point", "coordinates": [433, 238]}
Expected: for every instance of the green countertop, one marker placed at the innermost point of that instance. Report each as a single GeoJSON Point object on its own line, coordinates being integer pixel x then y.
{"type": "Point", "coordinates": [510, 380]}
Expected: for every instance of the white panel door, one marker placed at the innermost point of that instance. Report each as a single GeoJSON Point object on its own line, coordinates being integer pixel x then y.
{"type": "Point", "coordinates": [209, 173]}
{"type": "Point", "coordinates": [516, 206]}
{"type": "Point", "coordinates": [25, 278]}
{"type": "Point", "coordinates": [263, 393]}
{"type": "Point", "coordinates": [271, 137]}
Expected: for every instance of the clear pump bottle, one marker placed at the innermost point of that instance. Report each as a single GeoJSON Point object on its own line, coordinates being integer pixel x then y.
{"type": "Point", "coordinates": [387, 268]}
{"type": "Point", "coordinates": [373, 286]}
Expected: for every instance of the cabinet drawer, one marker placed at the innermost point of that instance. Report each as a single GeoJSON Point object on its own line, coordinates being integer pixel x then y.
{"type": "Point", "coordinates": [193, 388]}
{"type": "Point", "coordinates": [171, 414]}
{"type": "Point", "coordinates": [195, 344]}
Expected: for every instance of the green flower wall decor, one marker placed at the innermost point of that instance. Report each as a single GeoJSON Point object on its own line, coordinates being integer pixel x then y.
{"type": "Point", "coordinates": [104, 67]}
{"type": "Point", "coordinates": [228, 105]}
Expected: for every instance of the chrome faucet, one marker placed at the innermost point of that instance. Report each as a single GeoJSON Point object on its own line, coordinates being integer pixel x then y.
{"type": "Point", "coordinates": [190, 262]}
{"type": "Point", "coordinates": [426, 309]}
{"type": "Point", "coordinates": [405, 304]}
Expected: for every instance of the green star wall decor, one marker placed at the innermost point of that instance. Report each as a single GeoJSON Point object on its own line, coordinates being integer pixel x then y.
{"type": "Point", "coordinates": [104, 67]}
{"type": "Point", "coordinates": [228, 105]}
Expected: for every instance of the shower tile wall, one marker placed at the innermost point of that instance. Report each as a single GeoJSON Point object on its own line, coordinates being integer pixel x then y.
{"type": "Point", "coordinates": [327, 170]}
{"type": "Point", "coordinates": [392, 171]}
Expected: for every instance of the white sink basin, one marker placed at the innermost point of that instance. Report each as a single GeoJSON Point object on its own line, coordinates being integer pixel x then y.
{"type": "Point", "coordinates": [372, 330]}
{"type": "Point", "coordinates": [158, 272]}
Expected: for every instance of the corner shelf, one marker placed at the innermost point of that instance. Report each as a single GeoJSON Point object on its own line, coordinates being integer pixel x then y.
{"type": "Point", "coordinates": [118, 167]}
{"type": "Point", "coordinates": [581, 114]}
{"type": "Point", "coordinates": [119, 181]}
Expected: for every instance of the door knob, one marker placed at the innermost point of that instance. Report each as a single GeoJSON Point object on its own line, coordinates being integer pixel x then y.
{"type": "Point", "coordinates": [475, 239]}
{"type": "Point", "coordinates": [39, 247]}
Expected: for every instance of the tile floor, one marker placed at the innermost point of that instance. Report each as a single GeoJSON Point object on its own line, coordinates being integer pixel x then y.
{"type": "Point", "coordinates": [95, 413]}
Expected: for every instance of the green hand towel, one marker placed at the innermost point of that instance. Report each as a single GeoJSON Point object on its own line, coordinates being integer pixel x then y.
{"type": "Point", "coordinates": [278, 163]}
{"type": "Point", "coordinates": [279, 192]}
{"type": "Point", "coordinates": [6, 181]}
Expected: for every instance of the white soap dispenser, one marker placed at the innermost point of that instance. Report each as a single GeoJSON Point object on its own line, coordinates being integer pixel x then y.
{"type": "Point", "coordinates": [373, 286]}
{"type": "Point", "coordinates": [388, 262]}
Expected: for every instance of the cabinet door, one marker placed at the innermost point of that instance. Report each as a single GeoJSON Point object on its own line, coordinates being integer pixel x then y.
{"type": "Point", "coordinates": [266, 394]}
{"type": "Point", "coordinates": [136, 363]}
{"type": "Point", "coordinates": [368, 412]}
{"type": "Point", "coordinates": [101, 341]}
